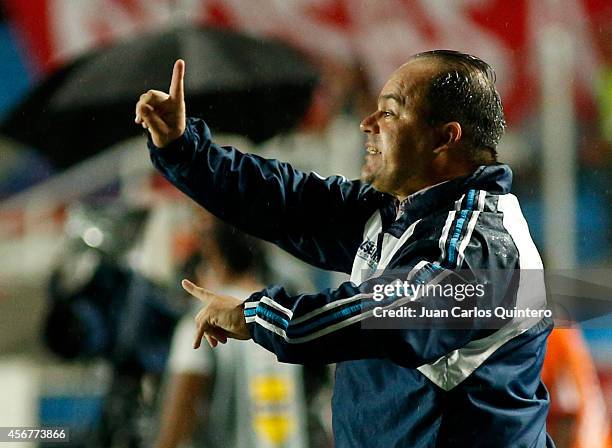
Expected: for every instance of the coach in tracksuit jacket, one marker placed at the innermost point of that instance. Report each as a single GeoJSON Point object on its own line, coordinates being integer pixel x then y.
{"type": "Point", "coordinates": [438, 211]}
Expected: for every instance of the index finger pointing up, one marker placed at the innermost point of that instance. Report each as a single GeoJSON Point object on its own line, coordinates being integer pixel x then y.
{"type": "Point", "coordinates": [177, 84]}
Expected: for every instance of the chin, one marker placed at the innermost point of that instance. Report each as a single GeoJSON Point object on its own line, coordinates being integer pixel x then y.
{"type": "Point", "coordinates": [377, 186]}
{"type": "Point", "coordinates": [368, 179]}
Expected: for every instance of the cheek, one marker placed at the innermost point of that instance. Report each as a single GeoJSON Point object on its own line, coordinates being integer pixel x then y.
{"type": "Point", "coordinates": [395, 139]}
{"type": "Point", "coordinates": [388, 136]}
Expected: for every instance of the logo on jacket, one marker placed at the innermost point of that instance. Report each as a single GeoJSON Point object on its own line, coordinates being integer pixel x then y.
{"type": "Point", "coordinates": [367, 252]}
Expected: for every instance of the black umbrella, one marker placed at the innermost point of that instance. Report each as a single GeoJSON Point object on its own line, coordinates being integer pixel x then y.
{"type": "Point", "coordinates": [239, 84]}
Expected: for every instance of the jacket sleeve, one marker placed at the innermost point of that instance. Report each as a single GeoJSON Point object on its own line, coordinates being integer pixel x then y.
{"type": "Point", "coordinates": [318, 220]}
{"type": "Point", "coordinates": [346, 323]}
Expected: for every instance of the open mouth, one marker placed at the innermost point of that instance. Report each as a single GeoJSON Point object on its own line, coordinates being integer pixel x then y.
{"type": "Point", "coordinates": [372, 150]}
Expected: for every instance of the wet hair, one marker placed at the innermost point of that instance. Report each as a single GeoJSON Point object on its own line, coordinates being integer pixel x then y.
{"type": "Point", "coordinates": [464, 91]}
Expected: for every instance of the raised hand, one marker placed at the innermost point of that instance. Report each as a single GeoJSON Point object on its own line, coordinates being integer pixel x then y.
{"type": "Point", "coordinates": [221, 318]}
{"type": "Point", "coordinates": [163, 114]}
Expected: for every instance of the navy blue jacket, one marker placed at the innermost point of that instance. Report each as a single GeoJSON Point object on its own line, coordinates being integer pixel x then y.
{"type": "Point", "coordinates": [475, 385]}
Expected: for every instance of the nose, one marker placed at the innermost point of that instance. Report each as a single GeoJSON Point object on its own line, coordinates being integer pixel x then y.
{"type": "Point", "coordinates": [369, 124]}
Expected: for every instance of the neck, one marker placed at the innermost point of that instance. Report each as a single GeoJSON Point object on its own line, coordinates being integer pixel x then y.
{"type": "Point", "coordinates": [434, 178]}
{"type": "Point", "coordinates": [417, 185]}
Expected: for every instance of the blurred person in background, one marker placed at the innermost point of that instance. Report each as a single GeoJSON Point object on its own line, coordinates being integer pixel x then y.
{"type": "Point", "coordinates": [577, 416]}
{"type": "Point", "coordinates": [237, 396]}
{"type": "Point", "coordinates": [438, 122]}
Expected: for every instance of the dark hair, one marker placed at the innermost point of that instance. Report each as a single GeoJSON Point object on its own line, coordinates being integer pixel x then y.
{"type": "Point", "coordinates": [464, 91]}
{"type": "Point", "coordinates": [241, 252]}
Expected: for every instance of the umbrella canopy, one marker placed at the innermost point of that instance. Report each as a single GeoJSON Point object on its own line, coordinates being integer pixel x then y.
{"type": "Point", "coordinates": [239, 84]}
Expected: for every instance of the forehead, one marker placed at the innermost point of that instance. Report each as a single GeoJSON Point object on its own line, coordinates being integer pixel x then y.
{"type": "Point", "coordinates": [409, 79]}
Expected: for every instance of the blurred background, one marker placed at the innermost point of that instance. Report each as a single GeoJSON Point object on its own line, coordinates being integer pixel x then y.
{"type": "Point", "coordinates": [93, 243]}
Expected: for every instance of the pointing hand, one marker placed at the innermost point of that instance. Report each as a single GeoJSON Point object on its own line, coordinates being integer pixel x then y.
{"type": "Point", "coordinates": [221, 318]}
{"type": "Point", "coordinates": [163, 114]}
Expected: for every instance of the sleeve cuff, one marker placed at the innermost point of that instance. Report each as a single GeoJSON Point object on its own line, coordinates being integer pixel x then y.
{"type": "Point", "coordinates": [182, 148]}
{"type": "Point", "coordinates": [250, 311]}
{"type": "Point", "coordinates": [174, 152]}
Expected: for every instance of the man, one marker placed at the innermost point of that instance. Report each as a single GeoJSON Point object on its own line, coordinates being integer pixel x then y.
{"type": "Point", "coordinates": [438, 202]}
{"type": "Point", "coordinates": [216, 399]}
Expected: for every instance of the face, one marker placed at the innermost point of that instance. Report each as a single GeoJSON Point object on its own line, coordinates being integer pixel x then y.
{"type": "Point", "coordinates": [399, 142]}
{"type": "Point", "coordinates": [370, 167]}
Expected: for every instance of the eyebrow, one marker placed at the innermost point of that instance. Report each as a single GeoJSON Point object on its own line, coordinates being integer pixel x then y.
{"type": "Point", "coordinates": [392, 96]}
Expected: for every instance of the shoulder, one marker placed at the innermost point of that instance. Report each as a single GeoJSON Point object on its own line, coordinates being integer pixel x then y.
{"type": "Point", "coordinates": [481, 226]}
{"type": "Point", "coordinates": [472, 209]}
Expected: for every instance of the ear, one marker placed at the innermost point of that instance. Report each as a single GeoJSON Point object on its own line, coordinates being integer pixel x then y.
{"type": "Point", "coordinates": [450, 135]}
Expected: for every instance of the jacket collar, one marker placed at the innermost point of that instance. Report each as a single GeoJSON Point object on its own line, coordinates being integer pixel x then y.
{"type": "Point", "coordinates": [496, 179]}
